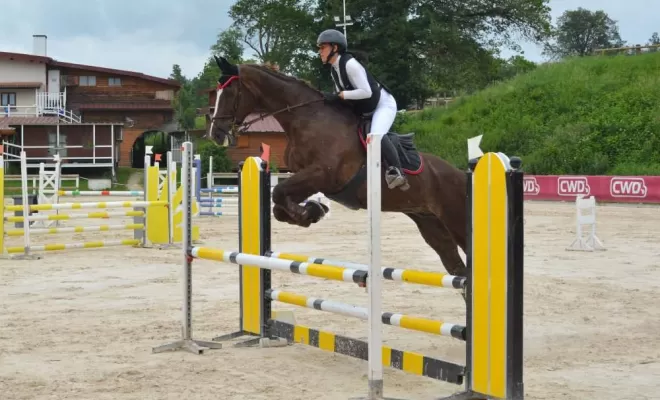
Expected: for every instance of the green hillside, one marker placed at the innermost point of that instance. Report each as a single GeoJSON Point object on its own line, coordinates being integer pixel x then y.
{"type": "Point", "coordinates": [593, 115]}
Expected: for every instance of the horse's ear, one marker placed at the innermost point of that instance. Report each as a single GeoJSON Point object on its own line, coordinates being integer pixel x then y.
{"type": "Point", "coordinates": [222, 62]}
{"type": "Point", "coordinates": [225, 66]}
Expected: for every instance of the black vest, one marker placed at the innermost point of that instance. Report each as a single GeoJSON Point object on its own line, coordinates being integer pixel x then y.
{"type": "Point", "coordinates": [362, 106]}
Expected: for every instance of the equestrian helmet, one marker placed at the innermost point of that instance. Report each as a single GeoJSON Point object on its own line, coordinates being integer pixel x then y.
{"type": "Point", "coordinates": [333, 36]}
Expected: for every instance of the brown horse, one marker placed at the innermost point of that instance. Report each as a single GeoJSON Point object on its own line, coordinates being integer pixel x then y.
{"type": "Point", "coordinates": [328, 155]}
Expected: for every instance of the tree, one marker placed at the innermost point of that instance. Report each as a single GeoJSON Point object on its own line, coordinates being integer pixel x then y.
{"type": "Point", "coordinates": [177, 74]}
{"type": "Point", "coordinates": [418, 47]}
{"type": "Point", "coordinates": [654, 39]}
{"type": "Point", "coordinates": [514, 66]}
{"type": "Point", "coordinates": [182, 102]}
{"type": "Point", "coordinates": [580, 32]}
{"type": "Point", "coordinates": [276, 30]}
{"type": "Point", "coordinates": [229, 44]}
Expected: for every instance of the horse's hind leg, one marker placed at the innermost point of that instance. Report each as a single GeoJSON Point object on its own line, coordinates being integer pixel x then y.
{"type": "Point", "coordinates": [436, 235]}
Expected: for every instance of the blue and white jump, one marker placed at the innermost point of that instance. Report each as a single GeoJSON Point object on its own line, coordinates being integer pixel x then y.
{"type": "Point", "coordinates": [222, 200]}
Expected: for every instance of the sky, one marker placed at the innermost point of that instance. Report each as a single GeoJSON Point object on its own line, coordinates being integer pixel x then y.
{"type": "Point", "coordinates": [149, 36]}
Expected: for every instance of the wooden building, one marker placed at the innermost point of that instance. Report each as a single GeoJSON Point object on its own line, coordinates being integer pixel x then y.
{"type": "Point", "coordinates": [248, 144]}
{"type": "Point", "coordinates": [91, 116]}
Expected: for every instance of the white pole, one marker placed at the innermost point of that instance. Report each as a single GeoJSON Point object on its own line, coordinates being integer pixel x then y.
{"type": "Point", "coordinates": [345, 35]}
{"type": "Point", "coordinates": [94, 143]}
{"type": "Point", "coordinates": [209, 178]}
{"type": "Point", "coordinates": [374, 280]}
{"type": "Point", "coordinates": [147, 163]}
{"type": "Point", "coordinates": [171, 187]}
{"type": "Point", "coordinates": [26, 204]}
{"type": "Point", "coordinates": [57, 184]}
{"type": "Point", "coordinates": [186, 242]}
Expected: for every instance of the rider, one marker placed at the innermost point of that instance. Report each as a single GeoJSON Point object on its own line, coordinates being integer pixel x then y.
{"type": "Point", "coordinates": [366, 95]}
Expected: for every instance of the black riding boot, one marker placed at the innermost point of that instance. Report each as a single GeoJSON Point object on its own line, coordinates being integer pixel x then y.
{"type": "Point", "coordinates": [394, 176]}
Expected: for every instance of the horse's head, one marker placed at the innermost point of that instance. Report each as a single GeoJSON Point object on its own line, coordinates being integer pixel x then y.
{"type": "Point", "coordinates": [232, 104]}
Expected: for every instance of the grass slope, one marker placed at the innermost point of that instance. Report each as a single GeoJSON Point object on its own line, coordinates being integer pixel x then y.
{"type": "Point", "coordinates": [593, 115]}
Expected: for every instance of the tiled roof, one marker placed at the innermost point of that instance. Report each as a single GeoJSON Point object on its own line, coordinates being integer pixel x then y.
{"type": "Point", "coordinates": [20, 85]}
{"type": "Point", "coordinates": [6, 121]}
{"type": "Point", "coordinates": [51, 61]}
{"type": "Point", "coordinates": [164, 105]}
{"type": "Point", "coordinates": [24, 57]}
{"type": "Point", "coordinates": [170, 82]}
{"type": "Point", "coordinates": [267, 124]}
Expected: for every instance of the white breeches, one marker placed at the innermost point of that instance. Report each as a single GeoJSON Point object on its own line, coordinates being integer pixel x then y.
{"type": "Point", "coordinates": [384, 114]}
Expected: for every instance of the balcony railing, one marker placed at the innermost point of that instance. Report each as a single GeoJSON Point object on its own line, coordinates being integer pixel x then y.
{"type": "Point", "coordinates": [51, 103]}
{"type": "Point", "coordinates": [47, 104]}
{"type": "Point", "coordinates": [19, 111]}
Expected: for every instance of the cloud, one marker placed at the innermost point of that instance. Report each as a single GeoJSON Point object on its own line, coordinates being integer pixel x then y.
{"type": "Point", "coordinates": [148, 36]}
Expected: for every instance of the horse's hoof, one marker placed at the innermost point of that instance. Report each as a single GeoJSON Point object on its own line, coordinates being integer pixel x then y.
{"type": "Point", "coordinates": [315, 210]}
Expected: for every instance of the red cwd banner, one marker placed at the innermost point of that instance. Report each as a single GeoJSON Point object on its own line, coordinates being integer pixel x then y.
{"type": "Point", "coordinates": [619, 189]}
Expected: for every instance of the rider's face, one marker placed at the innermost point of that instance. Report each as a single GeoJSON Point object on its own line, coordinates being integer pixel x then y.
{"type": "Point", "coordinates": [324, 51]}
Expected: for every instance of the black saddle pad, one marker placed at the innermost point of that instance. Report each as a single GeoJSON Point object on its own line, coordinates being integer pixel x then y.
{"type": "Point", "coordinates": [411, 161]}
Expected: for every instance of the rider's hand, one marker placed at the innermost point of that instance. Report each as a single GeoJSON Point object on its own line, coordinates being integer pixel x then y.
{"type": "Point", "coordinates": [331, 97]}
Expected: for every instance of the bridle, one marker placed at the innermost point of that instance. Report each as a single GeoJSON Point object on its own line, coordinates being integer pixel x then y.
{"type": "Point", "coordinates": [245, 125]}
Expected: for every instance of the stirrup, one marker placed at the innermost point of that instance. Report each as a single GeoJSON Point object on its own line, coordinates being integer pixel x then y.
{"type": "Point", "coordinates": [395, 178]}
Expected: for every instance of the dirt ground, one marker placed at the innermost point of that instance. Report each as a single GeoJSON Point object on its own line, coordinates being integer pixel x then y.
{"type": "Point", "coordinates": [81, 324]}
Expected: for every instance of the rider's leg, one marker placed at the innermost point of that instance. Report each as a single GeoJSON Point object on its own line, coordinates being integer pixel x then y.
{"type": "Point", "coordinates": [381, 123]}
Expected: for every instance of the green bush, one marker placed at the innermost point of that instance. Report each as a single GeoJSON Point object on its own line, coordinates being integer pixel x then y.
{"type": "Point", "coordinates": [592, 115]}
{"type": "Point", "coordinates": [206, 149]}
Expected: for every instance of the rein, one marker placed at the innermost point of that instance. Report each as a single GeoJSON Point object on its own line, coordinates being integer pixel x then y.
{"type": "Point", "coordinates": [247, 124]}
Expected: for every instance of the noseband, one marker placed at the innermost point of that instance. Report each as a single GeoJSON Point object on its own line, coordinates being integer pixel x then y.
{"type": "Point", "coordinates": [231, 116]}
{"type": "Point", "coordinates": [243, 126]}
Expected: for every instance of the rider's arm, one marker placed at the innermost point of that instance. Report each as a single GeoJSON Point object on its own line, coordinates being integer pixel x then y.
{"type": "Point", "coordinates": [358, 77]}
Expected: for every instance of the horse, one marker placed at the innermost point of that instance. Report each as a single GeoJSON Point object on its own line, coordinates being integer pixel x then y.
{"type": "Point", "coordinates": [326, 150]}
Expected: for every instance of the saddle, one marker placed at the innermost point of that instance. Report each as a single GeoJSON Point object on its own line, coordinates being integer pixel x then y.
{"type": "Point", "coordinates": [411, 160]}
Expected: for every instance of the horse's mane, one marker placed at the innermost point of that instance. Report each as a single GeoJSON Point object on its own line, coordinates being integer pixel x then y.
{"type": "Point", "coordinates": [340, 107]}
{"type": "Point", "coordinates": [271, 71]}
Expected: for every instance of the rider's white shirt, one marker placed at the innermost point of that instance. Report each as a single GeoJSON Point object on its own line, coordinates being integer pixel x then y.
{"type": "Point", "coordinates": [358, 77]}
{"type": "Point", "coordinates": [385, 112]}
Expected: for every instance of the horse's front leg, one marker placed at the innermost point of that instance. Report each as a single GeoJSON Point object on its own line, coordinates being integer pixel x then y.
{"type": "Point", "coordinates": [288, 195]}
